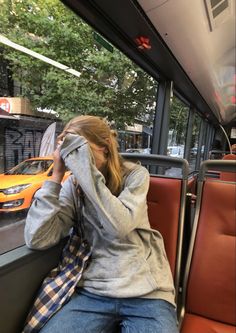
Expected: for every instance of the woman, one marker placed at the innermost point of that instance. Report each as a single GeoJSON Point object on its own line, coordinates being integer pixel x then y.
{"type": "Point", "coordinates": [128, 282]}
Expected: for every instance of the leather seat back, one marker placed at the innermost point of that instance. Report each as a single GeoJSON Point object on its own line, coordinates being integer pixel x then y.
{"type": "Point", "coordinates": [211, 286]}
{"type": "Point", "coordinates": [164, 201]}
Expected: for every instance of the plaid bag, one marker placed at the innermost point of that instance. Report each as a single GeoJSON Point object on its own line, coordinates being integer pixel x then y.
{"type": "Point", "coordinates": [59, 285]}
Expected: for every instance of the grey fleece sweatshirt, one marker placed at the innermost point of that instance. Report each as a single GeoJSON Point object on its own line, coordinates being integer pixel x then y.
{"type": "Point", "coordinates": [128, 257]}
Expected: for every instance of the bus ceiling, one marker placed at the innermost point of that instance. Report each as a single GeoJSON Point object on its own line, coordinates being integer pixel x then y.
{"type": "Point", "coordinates": [191, 43]}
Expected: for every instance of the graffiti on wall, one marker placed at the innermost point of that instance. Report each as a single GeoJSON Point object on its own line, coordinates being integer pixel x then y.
{"type": "Point", "coordinates": [20, 144]}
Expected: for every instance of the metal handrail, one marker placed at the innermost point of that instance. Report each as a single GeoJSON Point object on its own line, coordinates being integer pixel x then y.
{"type": "Point", "coordinates": [160, 160]}
{"type": "Point", "coordinates": [216, 165]}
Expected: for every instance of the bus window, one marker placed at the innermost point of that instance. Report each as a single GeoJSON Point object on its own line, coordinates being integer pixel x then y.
{"type": "Point", "coordinates": [70, 74]}
{"type": "Point", "coordinates": [177, 132]}
{"type": "Point", "coordinates": [194, 142]}
{"type": "Point", "coordinates": [177, 128]}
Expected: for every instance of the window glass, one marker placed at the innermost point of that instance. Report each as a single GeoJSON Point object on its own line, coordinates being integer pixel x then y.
{"type": "Point", "coordinates": [194, 142]}
{"type": "Point", "coordinates": [79, 73]}
{"type": "Point", "coordinates": [204, 143]}
{"type": "Point", "coordinates": [177, 128]}
{"type": "Point", "coordinates": [177, 133]}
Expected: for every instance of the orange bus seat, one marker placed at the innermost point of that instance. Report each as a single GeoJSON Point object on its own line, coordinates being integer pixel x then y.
{"type": "Point", "coordinates": [210, 290]}
{"type": "Point", "coordinates": [228, 176]}
{"type": "Point", "coordinates": [164, 201]}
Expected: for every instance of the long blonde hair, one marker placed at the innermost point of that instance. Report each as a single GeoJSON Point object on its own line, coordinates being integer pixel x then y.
{"type": "Point", "coordinates": [97, 131]}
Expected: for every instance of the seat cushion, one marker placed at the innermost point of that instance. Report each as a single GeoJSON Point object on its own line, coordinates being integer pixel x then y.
{"type": "Point", "coordinates": [197, 324]}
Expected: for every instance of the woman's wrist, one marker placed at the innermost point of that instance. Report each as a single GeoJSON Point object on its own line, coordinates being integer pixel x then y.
{"type": "Point", "coordinates": [57, 178]}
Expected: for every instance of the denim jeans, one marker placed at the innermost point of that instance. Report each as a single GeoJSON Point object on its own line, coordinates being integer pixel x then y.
{"type": "Point", "coordinates": [89, 313]}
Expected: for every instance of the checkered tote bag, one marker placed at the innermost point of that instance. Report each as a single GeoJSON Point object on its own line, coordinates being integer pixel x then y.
{"type": "Point", "coordinates": [59, 285]}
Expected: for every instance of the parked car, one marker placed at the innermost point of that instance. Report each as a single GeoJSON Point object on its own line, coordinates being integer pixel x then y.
{"type": "Point", "coordinates": [19, 185]}
{"type": "Point", "coordinates": [193, 151]}
{"type": "Point", "coordinates": [134, 150]}
{"type": "Point", "coordinates": [175, 151]}
{"type": "Point", "coordinates": [139, 150]}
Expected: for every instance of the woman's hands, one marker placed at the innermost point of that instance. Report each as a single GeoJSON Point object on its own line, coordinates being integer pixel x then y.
{"type": "Point", "coordinates": [65, 146]}
{"type": "Point", "coordinates": [59, 167]}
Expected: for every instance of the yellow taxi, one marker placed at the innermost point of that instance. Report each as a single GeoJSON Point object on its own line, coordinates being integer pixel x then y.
{"type": "Point", "coordinates": [19, 185]}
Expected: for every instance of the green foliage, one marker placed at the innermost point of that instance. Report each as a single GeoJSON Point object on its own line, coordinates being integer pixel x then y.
{"type": "Point", "coordinates": [110, 84]}
{"type": "Point", "coordinates": [178, 121]}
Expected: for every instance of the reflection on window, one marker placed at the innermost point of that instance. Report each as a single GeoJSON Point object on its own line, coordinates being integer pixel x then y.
{"type": "Point", "coordinates": [32, 167]}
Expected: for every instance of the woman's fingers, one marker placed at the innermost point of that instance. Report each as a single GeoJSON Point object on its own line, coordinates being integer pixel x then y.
{"type": "Point", "coordinates": [58, 166]}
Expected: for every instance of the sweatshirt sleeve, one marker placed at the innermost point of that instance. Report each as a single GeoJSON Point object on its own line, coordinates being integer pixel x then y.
{"type": "Point", "coordinates": [117, 215]}
{"type": "Point", "coordinates": [50, 216]}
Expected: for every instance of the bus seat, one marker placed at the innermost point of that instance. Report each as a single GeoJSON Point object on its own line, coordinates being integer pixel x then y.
{"type": "Point", "coordinates": [166, 201]}
{"type": "Point", "coordinates": [229, 157]}
{"type": "Point", "coordinates": [163, 199]}
{"type": "Point", "coordinates": [228, 176]}
{"type": "Point", "coordinates": [209, 286]}
{"type": "Point", "coordinates": [196, 324]}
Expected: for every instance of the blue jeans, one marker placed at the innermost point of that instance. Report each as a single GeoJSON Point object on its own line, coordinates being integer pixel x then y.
{"type": "Point", "coordinates": [89, 313]}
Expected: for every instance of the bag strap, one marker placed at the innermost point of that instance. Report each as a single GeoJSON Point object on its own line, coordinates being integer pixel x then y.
{"type": "Point", "coordinates": [79, 226]}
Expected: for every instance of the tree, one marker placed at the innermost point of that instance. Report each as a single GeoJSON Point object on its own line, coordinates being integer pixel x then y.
{"type": "Point", "coordinates": [178, 121]}
{"type": "Point", "coordinates": [110, 84]}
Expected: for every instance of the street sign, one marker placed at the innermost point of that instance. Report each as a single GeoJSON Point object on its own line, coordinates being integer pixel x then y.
{"type": "Point", "coordinates": [102, 41]}
{"type": "Point", "coordinates": [5, 104]}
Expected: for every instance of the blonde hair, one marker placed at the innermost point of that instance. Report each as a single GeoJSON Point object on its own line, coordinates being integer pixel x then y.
{"type": "Point", "coordinates": [97, 131]}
